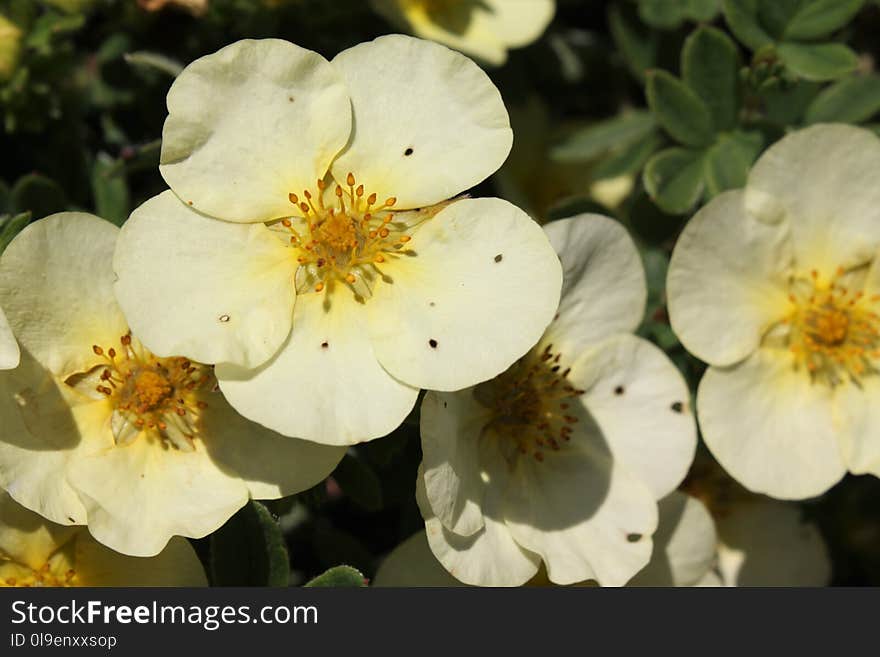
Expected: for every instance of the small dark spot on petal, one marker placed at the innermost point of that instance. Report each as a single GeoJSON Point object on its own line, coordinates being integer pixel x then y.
{"type": "Point", "coordinates": [619, 390]}
{"type": "Point", "coordinates": [433, 343]}
{"type": "Point", "coordinates": [432, 304]}
{"type": "Point", "coordinates": [189, 202]}
{"type": "Point", "coordinates": [324, 345]}
{"type": "Point", "coordinates": [633, 538]}
{"type": "Point", "coordinates": [408, 151]}
{"type": "Point", "coordinates": [499, 257]}
{"type": "Point", "coordinates": [677, 407]}
{"type": "Point", "coordinates": [71, 519]}
{"type": "Point", "coordinates": [290, 99]}
{"type": "Point", "coordinates": [224, 318]}
{"type": "Point", "coordinates": [445, 404]}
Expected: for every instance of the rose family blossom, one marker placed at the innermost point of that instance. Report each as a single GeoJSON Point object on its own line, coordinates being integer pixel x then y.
{"type": "Point", "coordinates": [484, 29]}
{"type": "Point", "coordinates": [100, 432]}
{"type": "Point", "coordinates": [36, 552]}
{"type": "Point", "coordinates": [683, 553]}
{"type": "Point", "coordinates": [561, 459]}
{"type": "Point", "coordinates": [327, 299]}
{"type": "Point", "coordinates": [777, 287]}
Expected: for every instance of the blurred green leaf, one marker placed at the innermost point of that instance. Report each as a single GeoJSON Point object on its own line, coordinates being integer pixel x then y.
{"type": "Point", "coordinates": [819, 18]}
{"type": "Point", "coordinates": [51, 25]}
{"type": "Point", "coordinates": [678, 109]}
{"type": "Point", "coordinates": [669, 14]}
{"type": "Point", "coordinates": [785, 105]}
{"type": "Point", "coordinates": [345, 576]}
{"type": "Point", "coordinates": [637, 44]}
{"type": "Point", "coordinates": [742, 18]}
{"type": "Point", "coordinates": [112, 200]}
{"type": "Point", "coordinates": [710, 66]}
{"type": "Point", "coordinates": [155, 61]}
{"type": "Point", "coordinates": [674, 179]}
{"type": "Point", "coordinates": [818, 62]}
{"type": "Point", "coordinates": [728, 161]}
{"type": "Point", "coordinates": [574, 205]}
{"type": "Point", "coordinates": [37, 194]}
{"type": "Point", "coordinates": [4, 197]}
{"type": "Point", "coordinates": [852, 100]}
{"type": "Point", "coordinates": [630, 159]}
{"type": "Point", "coordinates": [598, 138]}
{"type": "Point", "coordinates": [10, 226]}
{"type": "Point", "coordinates": [358, 480]}
{"type": "Point", "coordinates": [249, 550]}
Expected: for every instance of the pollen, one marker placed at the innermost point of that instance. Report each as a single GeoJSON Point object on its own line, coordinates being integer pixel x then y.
{"type": "Point", "coordinates": [56, 571]}
{"type": "Point", "coordinates": [835, 331]}
{"type": "Point", "coordinates": [341, 234]}
{"type": "Point", "coordinates": [531, 406]}
{"type": "Point", "coordinates": [157, 399]}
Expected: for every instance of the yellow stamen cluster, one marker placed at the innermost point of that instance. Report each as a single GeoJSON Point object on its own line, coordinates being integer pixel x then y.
{"type": "Point", "coordinates": [343, 236]}
{"type": "Point", "coordinates": [156, 397]}
{"type": "Point", "coordinates": [835, 332]}
{"type": "Point", "coordinates": [531, 405]}
{"type": "Point", "coordinates": [55, 572]}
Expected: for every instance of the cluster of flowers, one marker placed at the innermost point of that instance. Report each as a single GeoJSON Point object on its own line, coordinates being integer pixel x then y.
{"type": "Point", "coordinates": [313, 267]}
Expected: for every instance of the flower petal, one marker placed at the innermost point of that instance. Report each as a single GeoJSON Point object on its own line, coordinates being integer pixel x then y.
{"type": "Point", "coordinates": [768, 543]}
{"type": "Point", "coordinates": [490, 557]}
{"type": "Point", "coordinates": [325, 383]}
{"type": "Point", "coordinates": [822, 181]}
{"type": "Point", "coordinates": [770, 427]}
{"type": "Point", "coordinates": [603, 281]}
{"type": "Point", "coordinates": [582, 511]}
{"type": "Point", "coordinates": [176, 565]}
{"type": "Point", "coordinates": [251, 123]}
{"type": "Point", "coordinates": [727, 281]}
{"type": "Point", "coordinates": [479, 292]}
{"type": "Point", "coordinates": [412, 564]}
{"type": "Point", "coordinates": [428, 122]}
{"type": "Point", "coordinates": [450, 426]}
{"type": "Point", "coordinates": [857, 408]}
{"type": "Point", "coordinates": [27, 537]}
{"type": "Point", "coordinates": [271, 465]}
{"type": "Point", "coordinates": [9, 351]}
{"type": "Point", "coordinates": [42, 276]}
{"type": "Point", "coordinates": [684, 545]}
{"type": "Point", "coordinates": [209, 290]}
{"type": "Point", "coordinates": [640, 401]}
{"type": "Point", "coordinates": [138, 496]}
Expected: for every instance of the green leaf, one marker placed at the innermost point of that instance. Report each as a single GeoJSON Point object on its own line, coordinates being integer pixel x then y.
{"type": "Point", "coordinates": [38, 195]}
{"type": "Point", "coordinates": [574, 205]}
{"type": "Point", "coordinates": [679, 110]}
{"type": "Point", "coordinates": [669, 14]}
{"type": "Point", "coordinates": [674, 179]}
{"type": "Point", "coordinates": [628, 160]}
{"type": "Point", "coordinates": [112, 200]}
{"type": "Point", "coordinates": [249, 550]}
{"type": "Point", "coordinates": [818, 62]}
{"type": "Point", "coordinates": [819, 18]}
{"type": "Point", "coordinates": [710, 66]}
{"type": "Point", "coordinates": [852, 100]}
{"type": "Point", "coordinates": [359, 482]}
{"type": "Point", "coordinates": [785, 105]}
{"type": "Point", "coordinates": [345, 576]}
{"type": "Point", "coordinates": [4, 197]}
{"type": "Point", "coordinates": [774, 15]}
{"type": "Point", "coordinates": [50, 25]}
{"type": "Point", "coordinates": [742, 18]}
{"type": "Point", "coordinates": [12, 226]}
{"type": "Point", "coordinates": [156, 61]}
{"type": "Point", "coordinates": [598, 138]}
{"type": "Point", "coordinates": [728, 161]}
{"type": "Point", "coordinates": [637, 45]}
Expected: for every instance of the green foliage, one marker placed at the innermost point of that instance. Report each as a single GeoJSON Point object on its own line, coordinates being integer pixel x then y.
{"type": "Point", "coordinates": [669, 14]}
{"type": "Point", "coordinates": [358, 480]}
{"type": "Point", "coordinates": [852, 100]}
{"type": "Point", "coordinates": [249, 550]}
{"type": "Point", "coordinates": [345, 576]}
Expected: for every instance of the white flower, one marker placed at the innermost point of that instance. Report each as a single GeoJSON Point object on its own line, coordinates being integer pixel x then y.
{"type": "Point", "coordinates": [683, 553]}
{"type": "Point", "coordinates": [485, 29]}
{"type": "Point", "coordinates": [100, 432]}
{"type": "Point", "coordinates": [36, 552]}
{"type": "Point", "coordinates": [340, 280]}
{"type": "Point", "coordinates": [562, 458]}
{"type": "Point", "coordinates": [777, 287]}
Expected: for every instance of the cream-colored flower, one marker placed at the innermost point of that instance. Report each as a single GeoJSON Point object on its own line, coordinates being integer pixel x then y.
{"type": "Point", "coordinates": [99, 431]}
{"type": "Point", "coordinates": [777, 287]}
{"type": "Point", "coordinates": [36, 552]}
{"type": "Point", "coordinates": [341, 279]}
{"type": "Point", "coordinates": [561, 459]}
{"type": "Point", "coordinates": [485, 29]}
{"type": "Point", "coordinates": [683, 553]}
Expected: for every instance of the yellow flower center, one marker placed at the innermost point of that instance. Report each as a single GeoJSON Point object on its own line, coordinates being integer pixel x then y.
{"type": "Point", "coordinates": [531, 405]}
{"type": "Point", "coordinates": [344, 236]}
{"type": "Point", "coordinates": [834, 331]}
{"type": "Point", "coordinates": [156, 397]}
{"type": "Point", "coordinates": [57, 571]}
